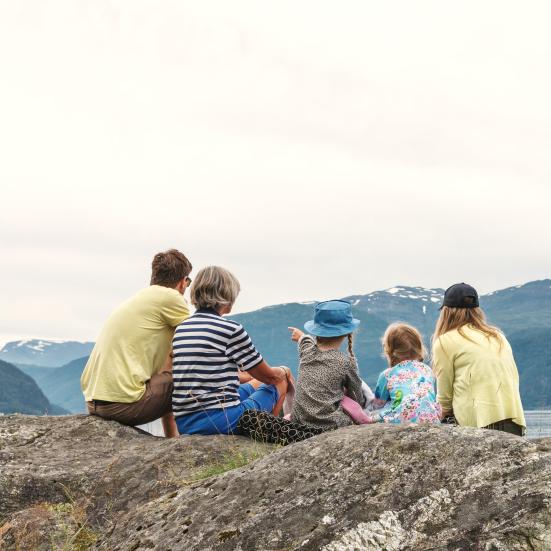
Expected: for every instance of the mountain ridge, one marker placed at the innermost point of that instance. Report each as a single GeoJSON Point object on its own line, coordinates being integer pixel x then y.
{"type": "Point", "coordinates": [437, 292]}
{"type": "Point", "coordinates": [44, 352]}
{"type": "Point", "coordinates": [523, 312]}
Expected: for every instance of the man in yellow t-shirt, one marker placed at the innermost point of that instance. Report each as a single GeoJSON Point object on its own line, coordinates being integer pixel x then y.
{"type": "Point", "coordinates": [128, 377]}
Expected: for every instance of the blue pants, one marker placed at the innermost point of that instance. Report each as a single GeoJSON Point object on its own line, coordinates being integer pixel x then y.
{"type": "Point", "coordinates": [224, 420]}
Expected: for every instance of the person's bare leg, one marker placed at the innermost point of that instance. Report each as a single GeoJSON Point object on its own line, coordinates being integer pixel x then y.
{"type": "Point", "coordinates": [282, 391]}
{"type": "Point", "coordinates": [167, 420]}
{"type": "Point", "coordinates": [169, 425]}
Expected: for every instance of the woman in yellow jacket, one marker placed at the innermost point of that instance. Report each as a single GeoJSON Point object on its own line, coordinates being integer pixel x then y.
{"type": "Point", "coordinates": [476, 373]}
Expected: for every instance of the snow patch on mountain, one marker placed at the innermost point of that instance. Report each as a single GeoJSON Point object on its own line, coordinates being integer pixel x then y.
{"type": "Point", "coordinates": [35, 344]}
{"type": "Point", "coordinates": [393, 290]}
{"type": "Point", "coordinates": [412, 293]}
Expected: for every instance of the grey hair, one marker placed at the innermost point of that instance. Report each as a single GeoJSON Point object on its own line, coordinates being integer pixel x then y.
{"type": "Point", "coordinates": [214, 287]}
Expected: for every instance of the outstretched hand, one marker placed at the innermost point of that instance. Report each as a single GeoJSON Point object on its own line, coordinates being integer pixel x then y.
{"type": "Point", "coordinates": [295, 333]}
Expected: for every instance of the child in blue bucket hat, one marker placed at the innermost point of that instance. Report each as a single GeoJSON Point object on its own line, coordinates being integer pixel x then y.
{"type": "Point", "coordinates": [324, 370]}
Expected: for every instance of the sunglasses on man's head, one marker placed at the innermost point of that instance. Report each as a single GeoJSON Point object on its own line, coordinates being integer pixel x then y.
{"type": "Point", "coordinates": [188, 280]}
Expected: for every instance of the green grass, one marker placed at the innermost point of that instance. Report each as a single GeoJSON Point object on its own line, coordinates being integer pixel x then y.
{"type": "Point", "coordinates": [57, 526]}
{"type": "Point", "coordinates": [233, 459]}
{"type": "Point", "coordinates": [73, 532]}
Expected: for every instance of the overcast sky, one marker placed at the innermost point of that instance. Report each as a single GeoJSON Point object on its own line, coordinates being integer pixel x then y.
{"type": "Point", "coordinates": [315, 148]}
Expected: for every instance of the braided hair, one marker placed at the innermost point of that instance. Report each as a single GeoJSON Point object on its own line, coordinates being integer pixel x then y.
{"type": "Point", "coordinates": [350, 349]}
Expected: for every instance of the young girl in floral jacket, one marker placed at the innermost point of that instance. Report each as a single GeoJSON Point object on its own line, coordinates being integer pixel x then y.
{"type": "Point", "coordinates": [408, 385]}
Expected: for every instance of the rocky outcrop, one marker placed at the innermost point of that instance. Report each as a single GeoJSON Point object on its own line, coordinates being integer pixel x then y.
{"type": "Point", "coordinates": [368, 487]}
{"type": "Point", "coordinates": [81, 471]}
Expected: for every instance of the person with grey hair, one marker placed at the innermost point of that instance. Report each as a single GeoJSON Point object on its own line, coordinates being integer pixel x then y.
{"type": "Point", "coordinates": [217, 372]}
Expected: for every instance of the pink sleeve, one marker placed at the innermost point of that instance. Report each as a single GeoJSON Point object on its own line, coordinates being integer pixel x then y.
{"type": "Point", "coordinates": [355, 412]}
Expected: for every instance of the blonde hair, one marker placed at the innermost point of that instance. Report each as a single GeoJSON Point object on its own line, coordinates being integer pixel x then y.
{"type": "Point", "coordinates": [403, 342]}
{"type": "Point", "coordinates": [214, 287]}
{"type": "Point", "coordinates": [457, 318]}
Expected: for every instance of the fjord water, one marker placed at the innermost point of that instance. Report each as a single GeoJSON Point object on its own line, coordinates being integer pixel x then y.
{"type": "Point", "coordinates": [538, 421]}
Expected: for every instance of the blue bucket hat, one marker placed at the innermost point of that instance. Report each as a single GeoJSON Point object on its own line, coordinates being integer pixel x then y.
{"type": "Point", "coordinates": [332, 318]}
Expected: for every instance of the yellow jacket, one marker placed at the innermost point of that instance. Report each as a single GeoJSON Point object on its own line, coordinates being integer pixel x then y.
{"type": "Point", "coordinates": [477, 378]}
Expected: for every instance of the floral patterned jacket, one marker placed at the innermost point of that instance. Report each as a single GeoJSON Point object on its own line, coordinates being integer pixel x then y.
{"type": "Point", "coordinates": [409, 389]}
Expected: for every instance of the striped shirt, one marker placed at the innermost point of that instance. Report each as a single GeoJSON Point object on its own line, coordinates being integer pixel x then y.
{"type": "Point", "coordinates": [208, 351]}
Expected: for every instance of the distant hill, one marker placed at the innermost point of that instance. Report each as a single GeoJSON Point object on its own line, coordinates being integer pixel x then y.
{"type": "Point", "coordinates": [19, 393]}
{"type": "Point", "coordinates": [61, 385]}
{"type": "Point", "coordinates": [531, 349]}
{"type": "Point", "coordinates": [521, 307]}
{"type": "Point", "coordinates": [522, 312]}
{"type": "Point", "coordinates": [44, 352]}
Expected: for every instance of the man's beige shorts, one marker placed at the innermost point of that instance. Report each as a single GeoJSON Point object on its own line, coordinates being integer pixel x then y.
{"type": "Point", "coordinates": [156, 401]}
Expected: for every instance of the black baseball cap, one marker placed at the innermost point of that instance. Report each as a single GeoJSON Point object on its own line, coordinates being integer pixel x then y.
{"type": "Point", "coordinates": [460, 295]}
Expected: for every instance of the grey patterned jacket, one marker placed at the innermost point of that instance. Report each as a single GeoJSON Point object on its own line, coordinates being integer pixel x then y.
{"type": "Point", "coordinates": [322, 378]}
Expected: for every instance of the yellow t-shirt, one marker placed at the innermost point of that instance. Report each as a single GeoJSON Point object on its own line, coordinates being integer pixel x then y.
{"type": "Point", "coordinates": [477, 379]}
{"type": "Point", "coordinates": [133, 345]}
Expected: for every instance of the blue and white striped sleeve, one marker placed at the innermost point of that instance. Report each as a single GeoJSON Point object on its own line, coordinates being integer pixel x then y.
{"type": "Point", "coordinates": [242, 351]}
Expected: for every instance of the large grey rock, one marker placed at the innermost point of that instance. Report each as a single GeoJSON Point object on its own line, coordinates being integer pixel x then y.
{"type": "Point", "coordinates": [98, 467]}
{"type": "Point", "coordinates": [369, 487]}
